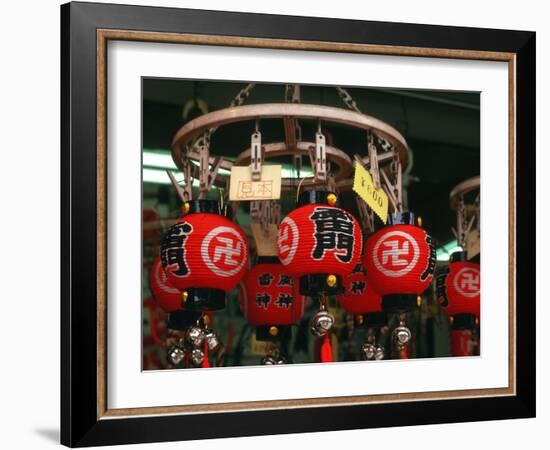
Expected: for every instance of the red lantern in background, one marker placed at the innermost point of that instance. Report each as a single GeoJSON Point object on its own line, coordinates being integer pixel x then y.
{"type": "Point", "coordinates": [151, 220]}
{"type": "Point", "coordinates": [463, 342]}
{"type": "Point", "coordinates": [360, 299]}
{"type": "Point", "coordinates": [319, 243]}
{"type": "Point", "coordinates": [400, 261]}
{"type": "Point", "coordinates": [458, 289]}
{"type": "Point", "coordinates": [458, 294]}
{"type": "Point", "coordinates": [204, 255]}
{"type": "Point", "coordinates": [268, 299]}
{"type": "Point", "coordinates": [154, 323]}
{"type": "Point", "coordinates": [167, 296]}
{"type": "Point", "coordinates": [170, 299]}
{"type": "Point", "coordinates": [359, 296]}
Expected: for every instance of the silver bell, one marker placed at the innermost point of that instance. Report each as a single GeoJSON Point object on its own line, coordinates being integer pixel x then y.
{"type": "Point", "coordinates": [401, 336]}
{"type": "Point", "coordinates": [195, 337]}
{"type": "Point", "coordinates": [369, 351]}
{"type": "Point", "coordinates": [212, 339]}
{"type": "Point", "coordinates": [176, 355]}
{"type": "Point", "coordinates": [379, 353]}
{"type": "Point", "coordinates": [197, 357]}
{"type": "Point", "coordinates": [321, 323]}
{"type": "Point", "coordinates": [268, 360]}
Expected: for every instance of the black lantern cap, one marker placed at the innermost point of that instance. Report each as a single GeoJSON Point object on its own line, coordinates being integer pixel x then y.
{"type": "Point", "coordinates": [464, 322]}
{"type": "Point", "coordinates": [316, 284]}
{"type": "Point", "coordinates": [401, 218]}
{"type": "Point", "coordinates": [181, 319]}
{"type": "Point", "coordinates": [315, 196]}
{"type": "Point", "coordinates": [458, 257]}
{"type": "Point", "coordinates": [204, 299]}
{"type": "Point", "coordinates": [399, 302]}
{"type": "Point", "coordinates": [268, 260]}
{"type": "Point", "coordinates": [204, 206]}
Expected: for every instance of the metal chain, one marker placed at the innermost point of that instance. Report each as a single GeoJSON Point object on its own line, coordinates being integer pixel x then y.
{"type": "Point", "coordinates": [238, 100]}
{"type": "Point", "coordinates": [347, 99]}
{"type": "Point", "coordinates": [242, 95]}
{"type": "Point", "coordinates": [379, 143]}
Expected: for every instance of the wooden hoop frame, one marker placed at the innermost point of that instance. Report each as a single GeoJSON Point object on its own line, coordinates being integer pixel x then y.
{"type": "Point", "coordinates": [284, 111]}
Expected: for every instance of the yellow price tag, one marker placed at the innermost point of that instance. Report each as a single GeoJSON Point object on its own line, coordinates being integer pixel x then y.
{"type": "Point", "coordinates": [257, 347]}
{"type": "Point", "coordinates": [377, 199]}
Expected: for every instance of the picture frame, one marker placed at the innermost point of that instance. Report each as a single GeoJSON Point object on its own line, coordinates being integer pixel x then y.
{"type": "Point", "coordinates": [86, 28]}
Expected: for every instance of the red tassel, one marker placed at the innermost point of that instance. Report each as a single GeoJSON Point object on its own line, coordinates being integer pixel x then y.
{"type": "Point", "coordinates": [326, 350]}
{"type": "Point", "coordinates": [205, 362]}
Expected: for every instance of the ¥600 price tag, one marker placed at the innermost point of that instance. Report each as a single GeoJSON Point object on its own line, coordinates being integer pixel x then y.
{"type": "Point", "coordinates": [377, 199]}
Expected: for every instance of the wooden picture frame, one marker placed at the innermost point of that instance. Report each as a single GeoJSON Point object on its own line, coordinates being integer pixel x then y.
{"type": "Point", "coordinates": [85, 417]}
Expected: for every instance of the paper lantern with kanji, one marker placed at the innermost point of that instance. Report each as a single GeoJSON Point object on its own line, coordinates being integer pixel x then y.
{"type": "Point", "coordinates": [359, 296]}
{"type": "Point", "coordinates": [269, 298]}
{"type": "Point", "coordinates": [463, 342]}
{"type": "Point", "coordinates": [166, 295]}
{"type": "Point", "coordinates": [400, 262]}
{"type": "Point", "coordinates": [461, 285]}
{"type": "Point", "coordinates": [204, 255]}
{"type": "Point", "coordinates": [319, 243]}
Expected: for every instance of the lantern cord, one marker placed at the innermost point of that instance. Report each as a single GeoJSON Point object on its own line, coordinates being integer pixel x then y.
{"type": "Point", "coordinates": [326, 350]}
{"type": "Point", "coordinates": [300, 186]}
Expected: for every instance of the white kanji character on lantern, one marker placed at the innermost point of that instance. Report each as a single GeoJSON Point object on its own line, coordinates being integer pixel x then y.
{"type": "Point", "coordinates": [395, 253]}
{"type": "Point", "coordinates": [467, 282]}
{"type": "Point", "coordinates": [224, 251]}
{"type": "Point", "coordinates": [393, 257]}
{"type": "Point", "coordinates": [228, 251]}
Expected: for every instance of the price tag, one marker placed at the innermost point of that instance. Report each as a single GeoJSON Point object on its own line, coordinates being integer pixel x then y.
{"type": "Point", "coordinates": [257, 347]}
{"type": "Point", "coordinates": [243, 188]}
{"type": "Point", "coordinates": [377, 199]}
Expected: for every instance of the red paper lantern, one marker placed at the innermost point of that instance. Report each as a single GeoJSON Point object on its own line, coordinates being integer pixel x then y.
{"type": "Point", "coordinates": [150, 219]}
{"type": "Point", "coordinates": [167, 296]}
{"type": "Point", "coordinates": [154, 323]}
{"type": "Point", "coordinates": [359, 296]}
{"type": "Point", "coordinates": [204, 255]}
{"type": "Point", "coordinates": [319, 239]}
{"type": "Point", "coordinates": [460, 293]}
{"type": "Point", "coordinates": [462, 342]}
{"type": "Point", "coordinates": [268, 296]}
{"type": "Point", "coordinates": [400, 262]}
